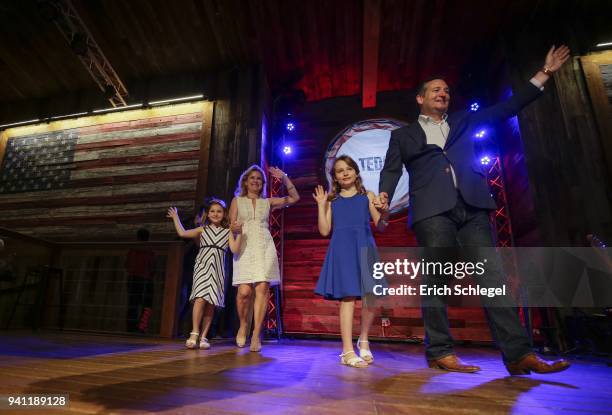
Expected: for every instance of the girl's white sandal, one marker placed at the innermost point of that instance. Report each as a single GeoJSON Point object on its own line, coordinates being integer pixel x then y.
{"type": "Point", "coordinates": [365, 354]}
{"type": "Point", "coordinates": [204, 344]}
{"type": "Point", "coordinates": [192, 341]}
{"type": "Point", "coordinates": [353, 361]}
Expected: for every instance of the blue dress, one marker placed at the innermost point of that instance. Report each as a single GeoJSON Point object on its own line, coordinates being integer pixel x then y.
{"type": "Point", "coordinates": [347, 270]}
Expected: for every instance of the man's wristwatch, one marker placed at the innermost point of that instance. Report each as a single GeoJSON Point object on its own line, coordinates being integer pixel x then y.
{"type": "Point", "coordinates": [547, 71]}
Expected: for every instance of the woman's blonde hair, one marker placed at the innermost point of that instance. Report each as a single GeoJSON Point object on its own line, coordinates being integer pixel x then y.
{"type": "Point", "coordinates": [241, 189]}
{"type": "Point", "coordinates": [334, 191]}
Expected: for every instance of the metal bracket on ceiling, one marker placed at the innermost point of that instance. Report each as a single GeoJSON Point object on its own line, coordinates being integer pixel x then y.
{"type": "Point", "coordinates": [85, 47]}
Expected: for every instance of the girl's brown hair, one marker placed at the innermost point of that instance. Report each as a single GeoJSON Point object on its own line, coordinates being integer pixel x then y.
{"type": "Point", "coordinates": [334, 191]}
{"type": "Point", "coordinates": [241, 189]}
{"type": "Point", "coordinates": [209, 203]}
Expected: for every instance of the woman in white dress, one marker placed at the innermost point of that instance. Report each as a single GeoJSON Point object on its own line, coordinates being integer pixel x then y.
{"type": "Point", "coordinates": [256, 264]}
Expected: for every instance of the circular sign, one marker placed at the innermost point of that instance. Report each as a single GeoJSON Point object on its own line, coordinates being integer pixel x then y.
{"type": "Point", "coordinates": [367, 142]}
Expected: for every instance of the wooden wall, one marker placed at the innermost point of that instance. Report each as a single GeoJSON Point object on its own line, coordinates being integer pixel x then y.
{"type": "Point", "coordinates": [230, 128]}
{"type": "Point", "coordinates": [554, 156]}
{"type": "Point", "coordinates": [130, 166]}
{"type": "Point", "coordinates": [93, 285]}
{"type": "Point", "coordinates": [241, 102]}
{"type": "Point", "coordinates": [569, 176]}
{"type": "Point", "coordinates": [113, 174]}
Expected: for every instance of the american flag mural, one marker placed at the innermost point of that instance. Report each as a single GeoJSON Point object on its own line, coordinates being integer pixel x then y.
{"type": "Point", "coordinates": [102, 181]}
{"type": "Point", "coordinates": [37, 162]}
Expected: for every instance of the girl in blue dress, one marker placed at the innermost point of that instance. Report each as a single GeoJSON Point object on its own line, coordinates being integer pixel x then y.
{"type": "Point", "coordinates": [346, 272]}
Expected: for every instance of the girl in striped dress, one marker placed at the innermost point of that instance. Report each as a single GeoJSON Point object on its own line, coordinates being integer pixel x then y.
{"type": "Point", "coordinates": [209, 270]}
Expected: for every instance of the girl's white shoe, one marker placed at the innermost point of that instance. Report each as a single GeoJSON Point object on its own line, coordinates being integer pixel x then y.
{"type": "Point", "coordinates": [204, 344]}
{"type": "Point", "coordinates": [352, 361]}
{"type": "Point", "coordinates": [365, 354]}
{"type": "Point", "coordinates": [192, 341]}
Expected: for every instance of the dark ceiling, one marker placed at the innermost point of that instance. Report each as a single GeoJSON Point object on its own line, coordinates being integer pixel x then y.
{"type": "Point", "coordinates": [317, 43]}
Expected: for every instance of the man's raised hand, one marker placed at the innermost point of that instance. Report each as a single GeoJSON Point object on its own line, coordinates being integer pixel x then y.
{"type": "Point", "coordinates": [556, 57]}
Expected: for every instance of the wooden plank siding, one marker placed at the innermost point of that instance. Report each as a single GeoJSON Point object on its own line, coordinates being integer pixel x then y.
{"type": "Point", "coordinates": [125, 171]}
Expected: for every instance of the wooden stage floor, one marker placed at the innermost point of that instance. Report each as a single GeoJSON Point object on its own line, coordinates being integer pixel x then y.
{"type": "Point", "coordinates": [107, 374]}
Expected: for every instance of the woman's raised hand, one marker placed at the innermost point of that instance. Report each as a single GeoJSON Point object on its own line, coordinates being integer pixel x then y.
{"type": "Point", "coordinates": [276, 172]}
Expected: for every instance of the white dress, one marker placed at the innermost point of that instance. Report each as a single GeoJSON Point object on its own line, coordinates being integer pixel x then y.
{"type": "Point", "coordinates": [257, 260]}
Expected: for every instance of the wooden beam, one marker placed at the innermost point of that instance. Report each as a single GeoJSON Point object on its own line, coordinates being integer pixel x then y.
{"type": "Point", "coordinates": [215, 18]}
{"type": "Point", "coordinates": [371, 42]}
{"type": "Point", "coordinates": [206, 136]}
{"type": "Point", "coordinates": [599, 99]}
{"type": "Point", "coordinates": [3, 140]}
{"type": "Point", "coordinates": [172, 285]}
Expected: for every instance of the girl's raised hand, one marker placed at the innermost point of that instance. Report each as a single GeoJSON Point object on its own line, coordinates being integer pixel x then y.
{"type": "Point", "coordinates": [320, 195]}
{"type": "Point", "coordinates": [276, 172]}
{"type": "Point", "coordinates": [172, 212]}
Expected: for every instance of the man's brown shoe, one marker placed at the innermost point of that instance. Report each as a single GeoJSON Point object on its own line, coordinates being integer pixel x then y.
{"type": "Point", "coordinates": [533, 363]}
{"type": "Point", "coordinates": [452, 363]}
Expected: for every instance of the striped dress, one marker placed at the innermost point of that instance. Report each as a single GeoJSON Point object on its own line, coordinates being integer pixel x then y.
{"type": "Point", "coordinates": [209, 269]}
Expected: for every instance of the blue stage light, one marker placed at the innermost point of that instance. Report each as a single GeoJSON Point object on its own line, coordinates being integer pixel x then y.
{"type": "Point", "coordinates": [474, 107]}
{"type": "Point", "coordinates": [290, 126]}
{"type": "Point", "coordinates": [480, 134]}
{"type": "Point", "coordinates": [287, 150]}
{"type": "Point", "coordinates": [485, 160]}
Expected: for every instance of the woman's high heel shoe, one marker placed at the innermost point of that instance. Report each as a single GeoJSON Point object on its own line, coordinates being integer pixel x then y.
{"type": "Point", "coordinates": [240, 341]}
{"type": "Point", "coordinates": [255, 344]}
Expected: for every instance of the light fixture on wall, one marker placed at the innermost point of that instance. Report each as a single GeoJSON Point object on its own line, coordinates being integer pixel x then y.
{"type": "Point", "coordinates": [59, 117]}
{"type": "Point", "coordinates": [15, 124]}
{"type": "Point", "coordinates": [182, 99]}
{"type": "Point", "coordinates": [104, 110]}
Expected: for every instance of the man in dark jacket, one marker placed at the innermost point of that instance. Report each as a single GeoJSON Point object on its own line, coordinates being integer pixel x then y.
{"type": "Point", "coordinates": [450, 201]}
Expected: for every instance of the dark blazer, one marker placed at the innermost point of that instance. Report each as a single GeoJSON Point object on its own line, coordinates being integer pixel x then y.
{"type": "Point", "coordinates": [431, 185]}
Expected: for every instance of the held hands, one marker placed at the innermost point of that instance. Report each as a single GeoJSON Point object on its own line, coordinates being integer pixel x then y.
{"type": "Point", "coordinates": [556, 57]}
{"type": "Point", "coordinates": [320, 195]}
{"type": "Point", "coordinates": [381, 202]}
{"type": "Point", "coordinates": [276, 172]}
{"type": "Point", "coordinates": [377, 203]}
{"type": "Point", "coordinates": [172, 212]}
{"type": "Point", "coordinates": [236, 227]}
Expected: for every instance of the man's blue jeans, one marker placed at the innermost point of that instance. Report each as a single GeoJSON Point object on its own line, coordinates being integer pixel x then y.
{"type": "Point", "coordinates": [467, 226]}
